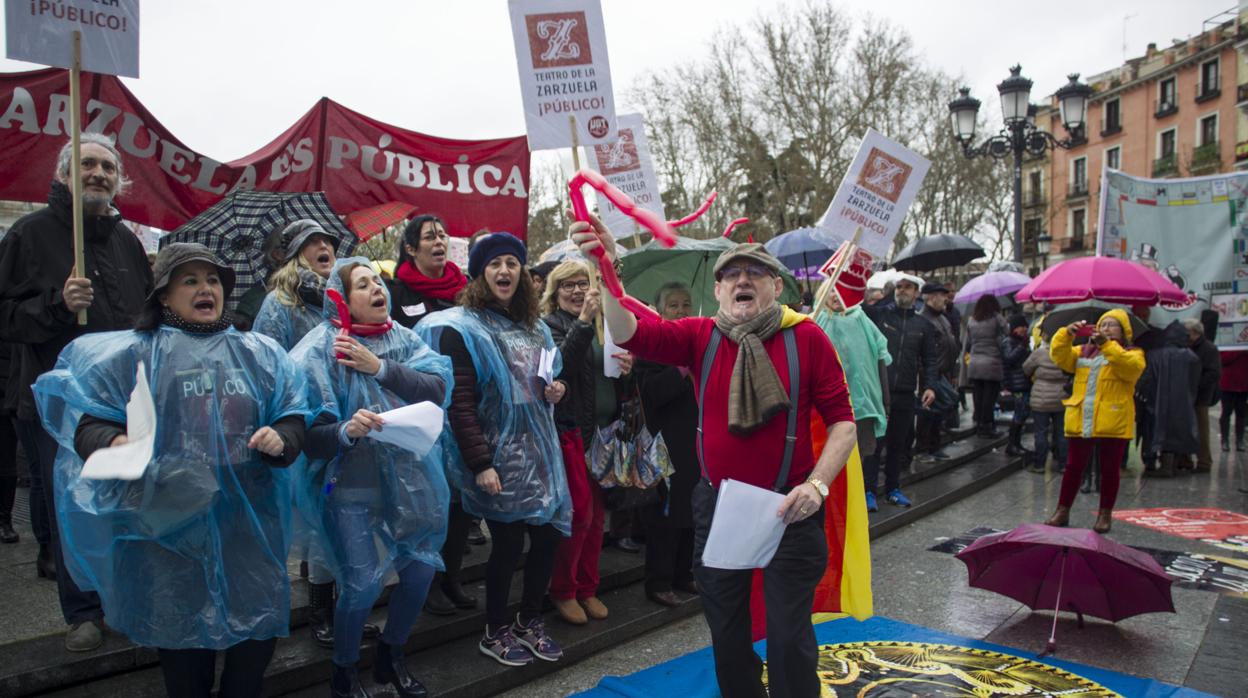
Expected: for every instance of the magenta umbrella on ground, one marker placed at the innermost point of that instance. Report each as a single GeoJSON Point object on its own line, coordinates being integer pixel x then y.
{"type": "Point", "coordinates": [994, 283]}
{"type": "Point", "coordinates": [1104, 279]}
{"type": "Point", "coordinates": [1068, 569]}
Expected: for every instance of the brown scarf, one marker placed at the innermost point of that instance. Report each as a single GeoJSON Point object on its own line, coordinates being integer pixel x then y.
{"type": "Point", "coordinates": [755, 394]}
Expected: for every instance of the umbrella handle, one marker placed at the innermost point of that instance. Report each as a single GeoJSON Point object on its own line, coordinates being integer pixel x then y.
{"type": "Point", "coordinates": [1057, 605]}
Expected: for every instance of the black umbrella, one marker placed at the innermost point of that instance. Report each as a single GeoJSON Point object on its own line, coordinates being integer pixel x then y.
{"type": "Point", "coordinates": [937, 251]}
{"type": "Point", "coordinates": [235, 227]}
{"type": "Point", "coordinates": [1090, 312]}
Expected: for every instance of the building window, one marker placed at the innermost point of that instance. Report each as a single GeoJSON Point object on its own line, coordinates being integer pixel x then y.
{"type": "Point", "coordinates": [1113, 118]}
{"type": "Point", "coordinates": [1166, 144]}
{"type": "Point", "coordinates": [1113, 158]}
{"type": "Point", "coordinates": [1079, 176]}
{"type": "Point", "coordinates": [1031, 232]}
{"type": "Point", "coordinates": [1209, 79]}
{"type": "Point", "coordinates": [1207, 131]}
{"type": "Point", "coordinates": [1078, 226]}
{"type": "Point", "coordinates": [1167, 101]}
{"type": "Point", "coordinates": [1035, 193]}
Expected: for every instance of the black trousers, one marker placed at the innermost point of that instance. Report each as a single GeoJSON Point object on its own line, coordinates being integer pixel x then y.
{"type": "Point", "coordinates": [789, 583]}
{"type": "Point", "coordinates": [8, 469]}
{"type": "Point", "coordinates": [1237, 404]}
{"type": "Point", "coordinates": [898, 439]}
{"type": "Point", "coordinates": [39, 522]}
{"type": "Point", "coordinates": [190, 673]}
{"type": "Point", "coordinates": [927, 431]}
{"type": "Point", "coordinates": [669, 551]}
{"type": "Point", "coordinates": [77, 606]}
{"type": "Point", "coordinates": [984, 394]}
{"type": "Point", "coordinates": [507, 545]}
{"type": "Point", "coordinates": [457, 524]}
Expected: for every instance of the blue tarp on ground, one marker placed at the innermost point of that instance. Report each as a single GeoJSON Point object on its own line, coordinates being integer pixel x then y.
{"type": "Point", "coordinates": [693, 675]}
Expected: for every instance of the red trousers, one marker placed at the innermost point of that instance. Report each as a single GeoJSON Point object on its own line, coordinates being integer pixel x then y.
{"type": "Point", "coordinates": [1078, 453]}
{"type": "Point", "coordinates": [576, 560]}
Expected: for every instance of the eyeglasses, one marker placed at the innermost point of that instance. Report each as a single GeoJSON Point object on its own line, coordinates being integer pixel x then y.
{"type": "Point", "coordinates": [574, 286]}
{"type": "Point", "coordinates": [755, 271]}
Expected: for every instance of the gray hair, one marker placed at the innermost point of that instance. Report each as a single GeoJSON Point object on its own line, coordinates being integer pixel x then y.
{"type": "Point", "coordinates": [106, 142]}
{"type": "Point", "coordinates": [667, 289]}
{"type": "Point", "coordinates": [1191, 324]}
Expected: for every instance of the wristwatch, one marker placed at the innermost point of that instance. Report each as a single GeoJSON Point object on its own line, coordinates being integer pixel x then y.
{"type": "Point", "coordinates": [821, 488]}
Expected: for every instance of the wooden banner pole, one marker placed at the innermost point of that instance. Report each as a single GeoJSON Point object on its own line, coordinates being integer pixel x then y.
{"type": "Point", "coordinates": [576, 144]}
{"type": "Point", "coordinates": [75, 160]}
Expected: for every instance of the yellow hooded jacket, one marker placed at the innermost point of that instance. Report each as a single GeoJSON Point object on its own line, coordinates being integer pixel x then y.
{"type": "Point", "coordinates": [1102, 404]}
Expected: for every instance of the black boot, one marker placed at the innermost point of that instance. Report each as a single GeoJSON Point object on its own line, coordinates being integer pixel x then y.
{"type": "Point", "coordinates": [388, 667]}
{"type": "Point", "coordinates": [321, 613]}
{"type": "Point", "coordinates": [45, 564]}
{"type": "Point", "coordinates": [436, 602]}
{"type": "Point", "coordinates": [456, 595]}
{"type": "Point", "coordinates": [345, 683]}
{"type": "Point", "coordinates": [8, 492]}
{"type": "Point", "coordinates": [1015, 446]}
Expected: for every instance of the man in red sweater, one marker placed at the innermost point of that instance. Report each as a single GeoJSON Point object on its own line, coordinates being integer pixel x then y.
{"type": "Point", "coordinates": [751, 432]}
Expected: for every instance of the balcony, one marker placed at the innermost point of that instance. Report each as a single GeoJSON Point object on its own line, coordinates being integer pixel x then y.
{"type": "Point", "coordinates": [1110, 129]}
{"type": "Point", "coordinates": [1166, 166]}
{"type": "Point", "coordinates": [1206, 93]}
{"type": "Point", "coordinates": [1206, 158]}
{"type": "Point", "coordinates": [1162, 109]}
{"type": "Point", "coordinates": [1077, 189]}
{"type": "Point", "coordinates": [1033, 199]}
{"type": "Point", "coordinates": [1073, 243]}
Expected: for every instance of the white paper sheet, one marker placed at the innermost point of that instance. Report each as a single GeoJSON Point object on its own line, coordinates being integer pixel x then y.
{"type": "Point", "coordinates": [411, 427]}
{"type": "Point", "coordinates": [610, 364]}
{"type": "Point", "coordinates": [546, 366]}
{"type": "Point", "coordinates": [129, 460]}
{"type": "Point", "coordinates": [745, 530]}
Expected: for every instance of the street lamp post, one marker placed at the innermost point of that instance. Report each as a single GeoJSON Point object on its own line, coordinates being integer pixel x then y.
{"type": "Point", "coordinates": [1020, 134]}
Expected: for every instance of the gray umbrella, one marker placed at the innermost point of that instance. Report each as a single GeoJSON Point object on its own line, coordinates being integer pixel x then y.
{"type": "Point", "coordinates": [937, 251]}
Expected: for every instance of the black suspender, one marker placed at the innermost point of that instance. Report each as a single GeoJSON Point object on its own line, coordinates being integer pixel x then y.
{"type": "Point", "coordinates": [790, 437]}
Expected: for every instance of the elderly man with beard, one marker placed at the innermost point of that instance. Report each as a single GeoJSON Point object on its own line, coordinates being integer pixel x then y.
{"type": "Point", "coordinates": [40, 296]}
{"type": "Point", "coordinates": [754, 423]}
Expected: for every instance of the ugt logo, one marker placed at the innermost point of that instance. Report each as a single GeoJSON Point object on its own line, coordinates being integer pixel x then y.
{"type": "Point", "coordinates": [620, 156]}
{"type": "Point", "coordinates": [884, 174]}
{"type": "Point", "coordinates": [558, 39]}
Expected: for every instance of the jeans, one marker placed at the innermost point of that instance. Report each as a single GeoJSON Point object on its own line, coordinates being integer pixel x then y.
{"type": "Point", "coordinates": [507, 545]}
{"type": "Point", "coordinates": [361, 584]}
{"type": "Point", "coordinates": [789, 583]}
{"type": "Point", "coordinates": [575, 574]}
{"type": "Point", "coordinates": [189, 673]}
{"type": "Point", "coordinates": [77, 606]}
{"type": "Point", "coordinates": [1045, 424]}
{"type": "Point", "coordinates": [1022, 408]}
{"type": "Point", "coordinates": [1236, 403]}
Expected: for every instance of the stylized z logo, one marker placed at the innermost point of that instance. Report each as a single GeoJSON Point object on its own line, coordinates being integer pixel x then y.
{"type": "Point", "coordinates": [885, 171]}
{"type": "Point", "coordinates": [616, 155]}
{"type": "Point", "coordinates": [558, 35]}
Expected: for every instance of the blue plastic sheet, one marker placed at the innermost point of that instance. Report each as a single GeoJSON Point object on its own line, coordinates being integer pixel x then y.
{"type": "Point", "coordinates": [397, 504]}
{"type": "Point", "coordinates": [192, 554]}
{"type": "Point", "coordinates": [286, 323]}
{"type": "Point", "coordinates": [516, 420]}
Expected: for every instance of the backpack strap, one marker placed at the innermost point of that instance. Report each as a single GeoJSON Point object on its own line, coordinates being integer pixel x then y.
{"type": "Point", "coordinates": [790, 438]}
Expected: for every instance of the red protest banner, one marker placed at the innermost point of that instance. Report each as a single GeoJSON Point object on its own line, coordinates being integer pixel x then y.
{"type": "Point", "coordinates": [357, 161]}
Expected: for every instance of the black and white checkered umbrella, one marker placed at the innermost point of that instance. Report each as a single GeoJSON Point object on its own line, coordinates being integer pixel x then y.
{"type": "Point", "coordinates": [235, 227]}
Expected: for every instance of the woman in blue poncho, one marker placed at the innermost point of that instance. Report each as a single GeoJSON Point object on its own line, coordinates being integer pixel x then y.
{"type": "Point", "coordinates": [504, 449]}
{"type": "Point", "coordinates": [374, 506]}
{"type": "Point", "coordinates": [296, 291]}
{"type": "Point", "coordinates": [191, 556]}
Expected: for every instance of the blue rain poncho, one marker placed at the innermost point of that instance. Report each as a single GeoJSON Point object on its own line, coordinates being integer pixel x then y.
{"type": "Point", "coordinates": [193, 553]}
{"type": "Point", "coordinates": [405, 499]}
{"type": "Point", "coordinates": [286, 323]}
{"type": "Point", "coordinates": [861, 346]}
{"type": "Point", "coordinates": [515, 418]}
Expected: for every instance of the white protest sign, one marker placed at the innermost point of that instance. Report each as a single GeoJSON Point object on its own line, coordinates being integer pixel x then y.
{"type": "Point", "coordinates": [626, 164]}
{"type": "Point", "coordinates": [561, 52]}
{"type": "Point", "coordinates": [874, 195]}
{"type": "Point", "coordinates": [41, 31]}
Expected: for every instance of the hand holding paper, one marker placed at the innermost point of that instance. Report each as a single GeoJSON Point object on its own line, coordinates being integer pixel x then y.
{"type": "Point", "coordinates": [745, 531]}
{"type": "Point", "coordinates": [412, 427]}
{"type": "Point", "coordinates": [128, 460]}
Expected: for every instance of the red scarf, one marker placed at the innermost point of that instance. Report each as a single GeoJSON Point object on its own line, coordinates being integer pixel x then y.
{"type": "Point", "coordinates": [346, 326]}
{"type": "Point", "coordinates": [443, 289]}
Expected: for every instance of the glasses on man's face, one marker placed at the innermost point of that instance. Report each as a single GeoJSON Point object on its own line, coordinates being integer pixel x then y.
{"type": "Point", "coordinates": [755, 271]}
{"type": "Point", "coordinates": [570, 286]}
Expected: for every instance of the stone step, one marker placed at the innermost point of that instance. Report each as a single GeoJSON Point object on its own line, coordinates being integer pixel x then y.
{"type": "Point", "coordinates": [940, 489]}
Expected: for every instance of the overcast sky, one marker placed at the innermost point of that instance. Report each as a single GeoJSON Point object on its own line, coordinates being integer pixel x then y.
{"type": "Point", "coordinates": [228, 76]}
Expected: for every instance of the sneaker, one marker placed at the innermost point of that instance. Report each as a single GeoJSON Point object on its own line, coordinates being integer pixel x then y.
{"type": "Point", "coordinates": [503, 648]}
{"type": "Point", "coordinates": [938, 454]}
{"type": "Point", "coordinates": [84, 637]}
{"type": "Point", "coordinates": [533, 636]}
{"type": "Point", "coordinates": [871, 505]}
{"type": "Point", "coordinates": [897, 498]}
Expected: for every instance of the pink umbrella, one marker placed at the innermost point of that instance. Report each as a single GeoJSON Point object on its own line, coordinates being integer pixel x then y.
{"type": "Point", "coordinates": [1104, 279]}
{"type": "Point", "coordinates": [1068, 569]}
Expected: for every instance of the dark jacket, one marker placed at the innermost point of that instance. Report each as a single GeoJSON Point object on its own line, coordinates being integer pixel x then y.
{"type": "Point", "coordinates": [1168, 390]}
{"type": "Point", "coordinates": [36, 257]}
{"type": "Point", "coordinates": [574, 339]}
{"type": "Point", "coordinates": [1014, 352]}
{"type": "Point", "coordinates": [671, 409]}
{"type": "Point", "coordinates": [912, 344]}
{"type": "Point", "coordinates": [1234, 372]}
{"type": "Point", "coordinates": [1210, 372]}
{"type": "Point", "coordinates": [946, 339]}
{"type": "Point", "coordinates": [407, 307]}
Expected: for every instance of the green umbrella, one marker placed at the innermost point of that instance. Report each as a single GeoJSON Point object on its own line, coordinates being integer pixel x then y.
{"type": "Point", "coordinates": [650, 266]}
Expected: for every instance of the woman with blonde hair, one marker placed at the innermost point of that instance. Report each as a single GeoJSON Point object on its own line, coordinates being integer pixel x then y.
{"type": "Point", "coordinates": [293, 306]}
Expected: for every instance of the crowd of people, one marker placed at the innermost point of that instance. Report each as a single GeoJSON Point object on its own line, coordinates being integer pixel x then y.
{"type": "Point", "coordinates": [262, 451]}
